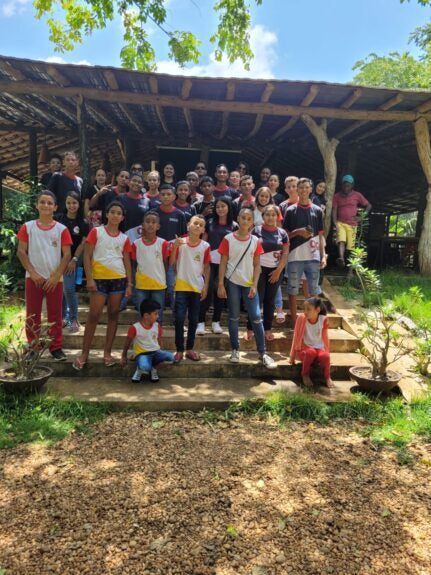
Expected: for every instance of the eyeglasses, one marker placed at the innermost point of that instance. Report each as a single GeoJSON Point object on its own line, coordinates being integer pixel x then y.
{"type": "Point", "coordinates": [200, 167]}
{"type": "Point", "coordinates": [136, 168]}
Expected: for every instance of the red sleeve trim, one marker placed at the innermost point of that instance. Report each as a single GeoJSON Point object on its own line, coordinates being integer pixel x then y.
{"type": "Point", "coordinates": [223, 248]}
{"type": "Point", "coordinates": [259, 249]}
{"type": "Point", "coordinates": [134, 252]}
{"type": "Point", "coordinates": [207, 256]}
{"type": "Point", "coordinates": [166, 250]}
{"type": "Point", "coordinates": [92, 237]}
{"type": "Point", "coordinates": [127, 248]}
{"type": "Point", "coordinates": [321, 232]}
{"type": "Point", "coordinates": [160, 330]}
{"type": "Point", "coordinates": [22, 234]}
{"type": "Point", "coordinates": [131, 332]}
{"type": "Point", "coordinates": [66, 238]}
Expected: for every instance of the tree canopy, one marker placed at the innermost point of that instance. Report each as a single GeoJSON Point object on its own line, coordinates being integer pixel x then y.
{"type": "Point", "coordinates": [71, 21]}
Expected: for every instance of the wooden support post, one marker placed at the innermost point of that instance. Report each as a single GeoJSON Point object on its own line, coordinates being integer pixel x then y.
{"type": "Point", "coordinates": [424, 152]}
{"type": "Point", "coordinates": [129, 146]}
{"type": "Point", "coordinates": [32, 139]}
{"type": "Point", "coordinates": [84, 150]}
{"type": "Point", "coordinates": [327, 148]}
{"type": "Point", "coordinates": [1, 196]}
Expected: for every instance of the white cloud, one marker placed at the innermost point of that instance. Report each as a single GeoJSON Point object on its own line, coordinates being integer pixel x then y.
{"type": "Point", "coordinates": [11, 7]}
{"type": "Point", "coordinates": [263, 44]}
{"type": "Point", "coordinates": [60, 60]}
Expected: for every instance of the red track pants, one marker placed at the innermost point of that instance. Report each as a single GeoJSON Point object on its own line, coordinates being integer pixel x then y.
{"type": "Point", "coordinates": [309, 355]}
{"type": "Point", "coordinates": [33, 304]}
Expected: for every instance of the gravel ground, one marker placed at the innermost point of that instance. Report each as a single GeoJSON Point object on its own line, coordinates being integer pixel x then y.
{"type": "Point", "coordinates": [168, 494]}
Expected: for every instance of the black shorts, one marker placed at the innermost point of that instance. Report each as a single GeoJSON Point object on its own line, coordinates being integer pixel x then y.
{"type": "Point", "coordinates": [111, 287]}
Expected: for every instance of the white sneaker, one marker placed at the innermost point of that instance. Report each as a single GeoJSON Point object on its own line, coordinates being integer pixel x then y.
{"type": "Point", "coordinates": [136, 377]}
{"type": "Point", "coordinates": [154, 376]}
{"type": "Point", "coordinates": [200, 330]}
{"type": "Point", "coordinates": [234, 356]}
{"type": "Point", "coordinates": [267, 361]}
{"type": "Point", "coordinates": [216, 327]}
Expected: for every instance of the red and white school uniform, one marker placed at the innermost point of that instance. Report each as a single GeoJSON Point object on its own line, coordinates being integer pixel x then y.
{"type": "Point", "coordinates": [150, 258]}
{"type": "Point", "coordinates": [45, 253]}
{"type": "Point", "coordinates": [145, 339]}
{"type": "Point", "coordinates": [240, 269]}
{"type": "Point", "coordinates": [190, 266]}
{"type": "Point", "coordinates": [109, 249]}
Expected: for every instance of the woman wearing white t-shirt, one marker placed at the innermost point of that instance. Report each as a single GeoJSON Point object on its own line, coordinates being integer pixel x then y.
{"type": "Point", "coordinates": [240, 265]}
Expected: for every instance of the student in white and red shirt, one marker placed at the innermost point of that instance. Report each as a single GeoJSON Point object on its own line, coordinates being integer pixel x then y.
{"type": "Point", "coordinates": [44, 251]}
{"type": "Point", "coordinates": [151, 254]}
{"type": "Point", "coordinates": [109, 277]}
{"type": "Point", "coordinates": [153, 196]}
{"type": "Point", "coordinates": [240, 266]}
{"type": "Point", "coordinates": [145, 336]}
{"type": "Point", "coordinates": [192, 257]}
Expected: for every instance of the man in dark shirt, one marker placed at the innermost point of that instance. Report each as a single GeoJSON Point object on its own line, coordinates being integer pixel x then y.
{"type": "Point", "coordinates": [304, 224]}
{"type": "Point", "coordinates": [205, 206]}
{"type": "Point", "coordinates": [66, 181]}
{"type": "Point", "coordinates": [221, 187]}
{"type": "Point", "coordinates": [55, 164]}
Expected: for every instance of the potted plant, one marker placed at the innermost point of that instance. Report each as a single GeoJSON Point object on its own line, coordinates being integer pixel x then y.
{"type": "Point", "coordinates": [381, 344]}
{"type": "Point", "coordinates": [23, 372]}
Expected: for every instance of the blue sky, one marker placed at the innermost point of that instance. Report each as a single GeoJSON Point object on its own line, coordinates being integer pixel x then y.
{"type": "Point", "coordinates": [291, 39]}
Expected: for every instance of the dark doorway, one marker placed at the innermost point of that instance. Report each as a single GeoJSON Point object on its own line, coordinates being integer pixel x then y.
{"type": "Point", "coordinates": [183, 159]}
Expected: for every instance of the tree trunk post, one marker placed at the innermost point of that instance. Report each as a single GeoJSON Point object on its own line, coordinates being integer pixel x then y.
{"type": "Point", "coordinates": [32, 138]}
{"type": "Point", "coordinates": [424, 152]}
{"type": "Point", "coordinates": [327, 148]}
{"type": "Point", "coordinates": [84, 151]}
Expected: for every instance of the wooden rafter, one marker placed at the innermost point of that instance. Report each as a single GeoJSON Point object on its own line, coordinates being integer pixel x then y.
{"type": "Point", "coordinates": [351, 99]}
{"type": "Point", "coordinates": [101, 117]}
{"type": "Point", "coordinates": [311, 95]}
{"type": "Point", "coordinates": [267, 108]}
{"type": "Point", "coordinates": [44, 114]}
{"type": "Point", "coordinates": [375, 131]}
{"type": "Point", "coordinates": [394, 101]}
{"type": "Point", "coordinates": [425, 107]}
{"type": "Point", "coordinates": [111, 79]}
{"type": "Point", "coordinates": [131, 117]}
{"type": "Point", "coordinates": [230, 95]}
{"type": "Point", "coordinates": [56, 75]}
{"type": "Point", "coordinates": [185, 93]}
{"type": "Point", "coordinates": [266, 95]}
{"type": "Point", "coordinates": [154, 87]}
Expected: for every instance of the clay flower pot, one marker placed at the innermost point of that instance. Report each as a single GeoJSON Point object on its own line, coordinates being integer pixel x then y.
{"type": "Point", "coordinates": [362, 376]}
{"type": "Point", "coordinates": [34, 384]}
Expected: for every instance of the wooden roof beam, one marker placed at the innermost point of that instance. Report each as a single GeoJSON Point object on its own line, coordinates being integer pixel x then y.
{"type": "Point", "coordinates": [375, 131]}
{"type": "Point", "coordinates": [154, 87]}
{"type": "Point", "coordinates": [311, 95]}
{"type": "Point", "coordinates": [351, 99]}
{"type": "Point", "coordinates": [111, 79]}
{"type": "Point", "coordinates": [185, 93]}
{"type": "Point", "coordinates": [425, 107]}
{"type": "Point", "coordinates": [57, 76]}
{"type": "Point", "coordinates": [394, 101]}
{"type": "Point", "coordinates": [230, 95]}
{"type": "Point", "coordinates": [266, 95]}
{"type": "Point", "coordinates": [131, 118]}
{"type": "Point", "coordinates": [101, 117]}
{"type": "Point", "coordinates": [267, 108]}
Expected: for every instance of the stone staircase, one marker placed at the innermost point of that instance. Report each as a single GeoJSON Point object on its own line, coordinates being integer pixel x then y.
{"type": "Point", "coordinates": [212, 382]}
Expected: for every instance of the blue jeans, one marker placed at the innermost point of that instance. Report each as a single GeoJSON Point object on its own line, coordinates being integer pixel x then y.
{"type": "Point", "coordinates": [70, 299]}
{"type": "Point", "coordinates": [145, 361]}
{"type": "Point", "coordinates": [170, 280]}
{"type": "Point", "coordinates": [157, 295]}
{"type": "Point", "coordinates": [311, 269]}
{"type": "Point", "coordinates": [186, 301]}
{"type": "Point", "coordinates": [279, 298]}
{"type": "Point", "coordinates": [234, 293]}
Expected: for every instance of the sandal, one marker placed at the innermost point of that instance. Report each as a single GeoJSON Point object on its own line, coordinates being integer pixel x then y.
{"type": "Point", "coordinates": [78, 364]}
{"type": "Point", "coordinates": [178, 357]}
{"type": "Point", "coordinates": [193, 355]}
{"type": "Point", "coordinates": [280, 317]}
{"type": "Point", "coordinates": [109, 361]}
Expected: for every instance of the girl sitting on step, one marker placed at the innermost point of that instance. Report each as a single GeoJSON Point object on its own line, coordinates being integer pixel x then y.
{"type": "Point", "coordinates": [109, 277]}
{"type": "Point", "coordinates": [311, 342]}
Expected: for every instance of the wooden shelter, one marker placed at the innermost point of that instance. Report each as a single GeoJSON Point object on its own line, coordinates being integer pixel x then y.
{"type": "Point", "coordinates": [316, 129]}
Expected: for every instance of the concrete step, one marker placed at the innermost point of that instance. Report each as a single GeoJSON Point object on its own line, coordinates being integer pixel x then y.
{"type": "Point", "coordinates": [340, 340]}
{"type": "Point", "coordinates": [213, 365]}
{"type": "Point", "coordinates": [130, 315]}
{"type": "Point", "coordinates": [182, 394]}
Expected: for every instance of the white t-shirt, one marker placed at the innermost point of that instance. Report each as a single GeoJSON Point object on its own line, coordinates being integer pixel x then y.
{"type": "Point", "coordinates": [190, 266]}
{"type": "Point", "coordinates": [44, 245]}
{"type": "Point", "coordinates": [145, 339]}
{"type": "Point", "coordinates": [313, 332]}
{"type": "Point", "coordinates": [150, 273]}
{"type": "Point", "coordinates": [108, 262]}
{"type": "Point", "coordinates": [234, 248]}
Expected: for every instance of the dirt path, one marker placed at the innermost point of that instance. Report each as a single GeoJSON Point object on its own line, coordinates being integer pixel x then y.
{"type": "Point", "coordinates": [167, 495]}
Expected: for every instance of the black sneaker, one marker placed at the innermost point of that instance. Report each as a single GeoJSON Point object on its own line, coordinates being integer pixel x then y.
{"type": "Point", "coordinates": [58, 355]}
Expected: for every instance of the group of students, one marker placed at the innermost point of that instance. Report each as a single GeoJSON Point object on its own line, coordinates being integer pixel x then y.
{"type": "Point", "coordinates": [187, 244]}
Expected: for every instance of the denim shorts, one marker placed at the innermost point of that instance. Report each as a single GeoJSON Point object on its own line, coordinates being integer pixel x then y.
{"type": "Point", "coordinates": [111, 287]}
{"type": "Point", "coordinates": [295, 270]}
